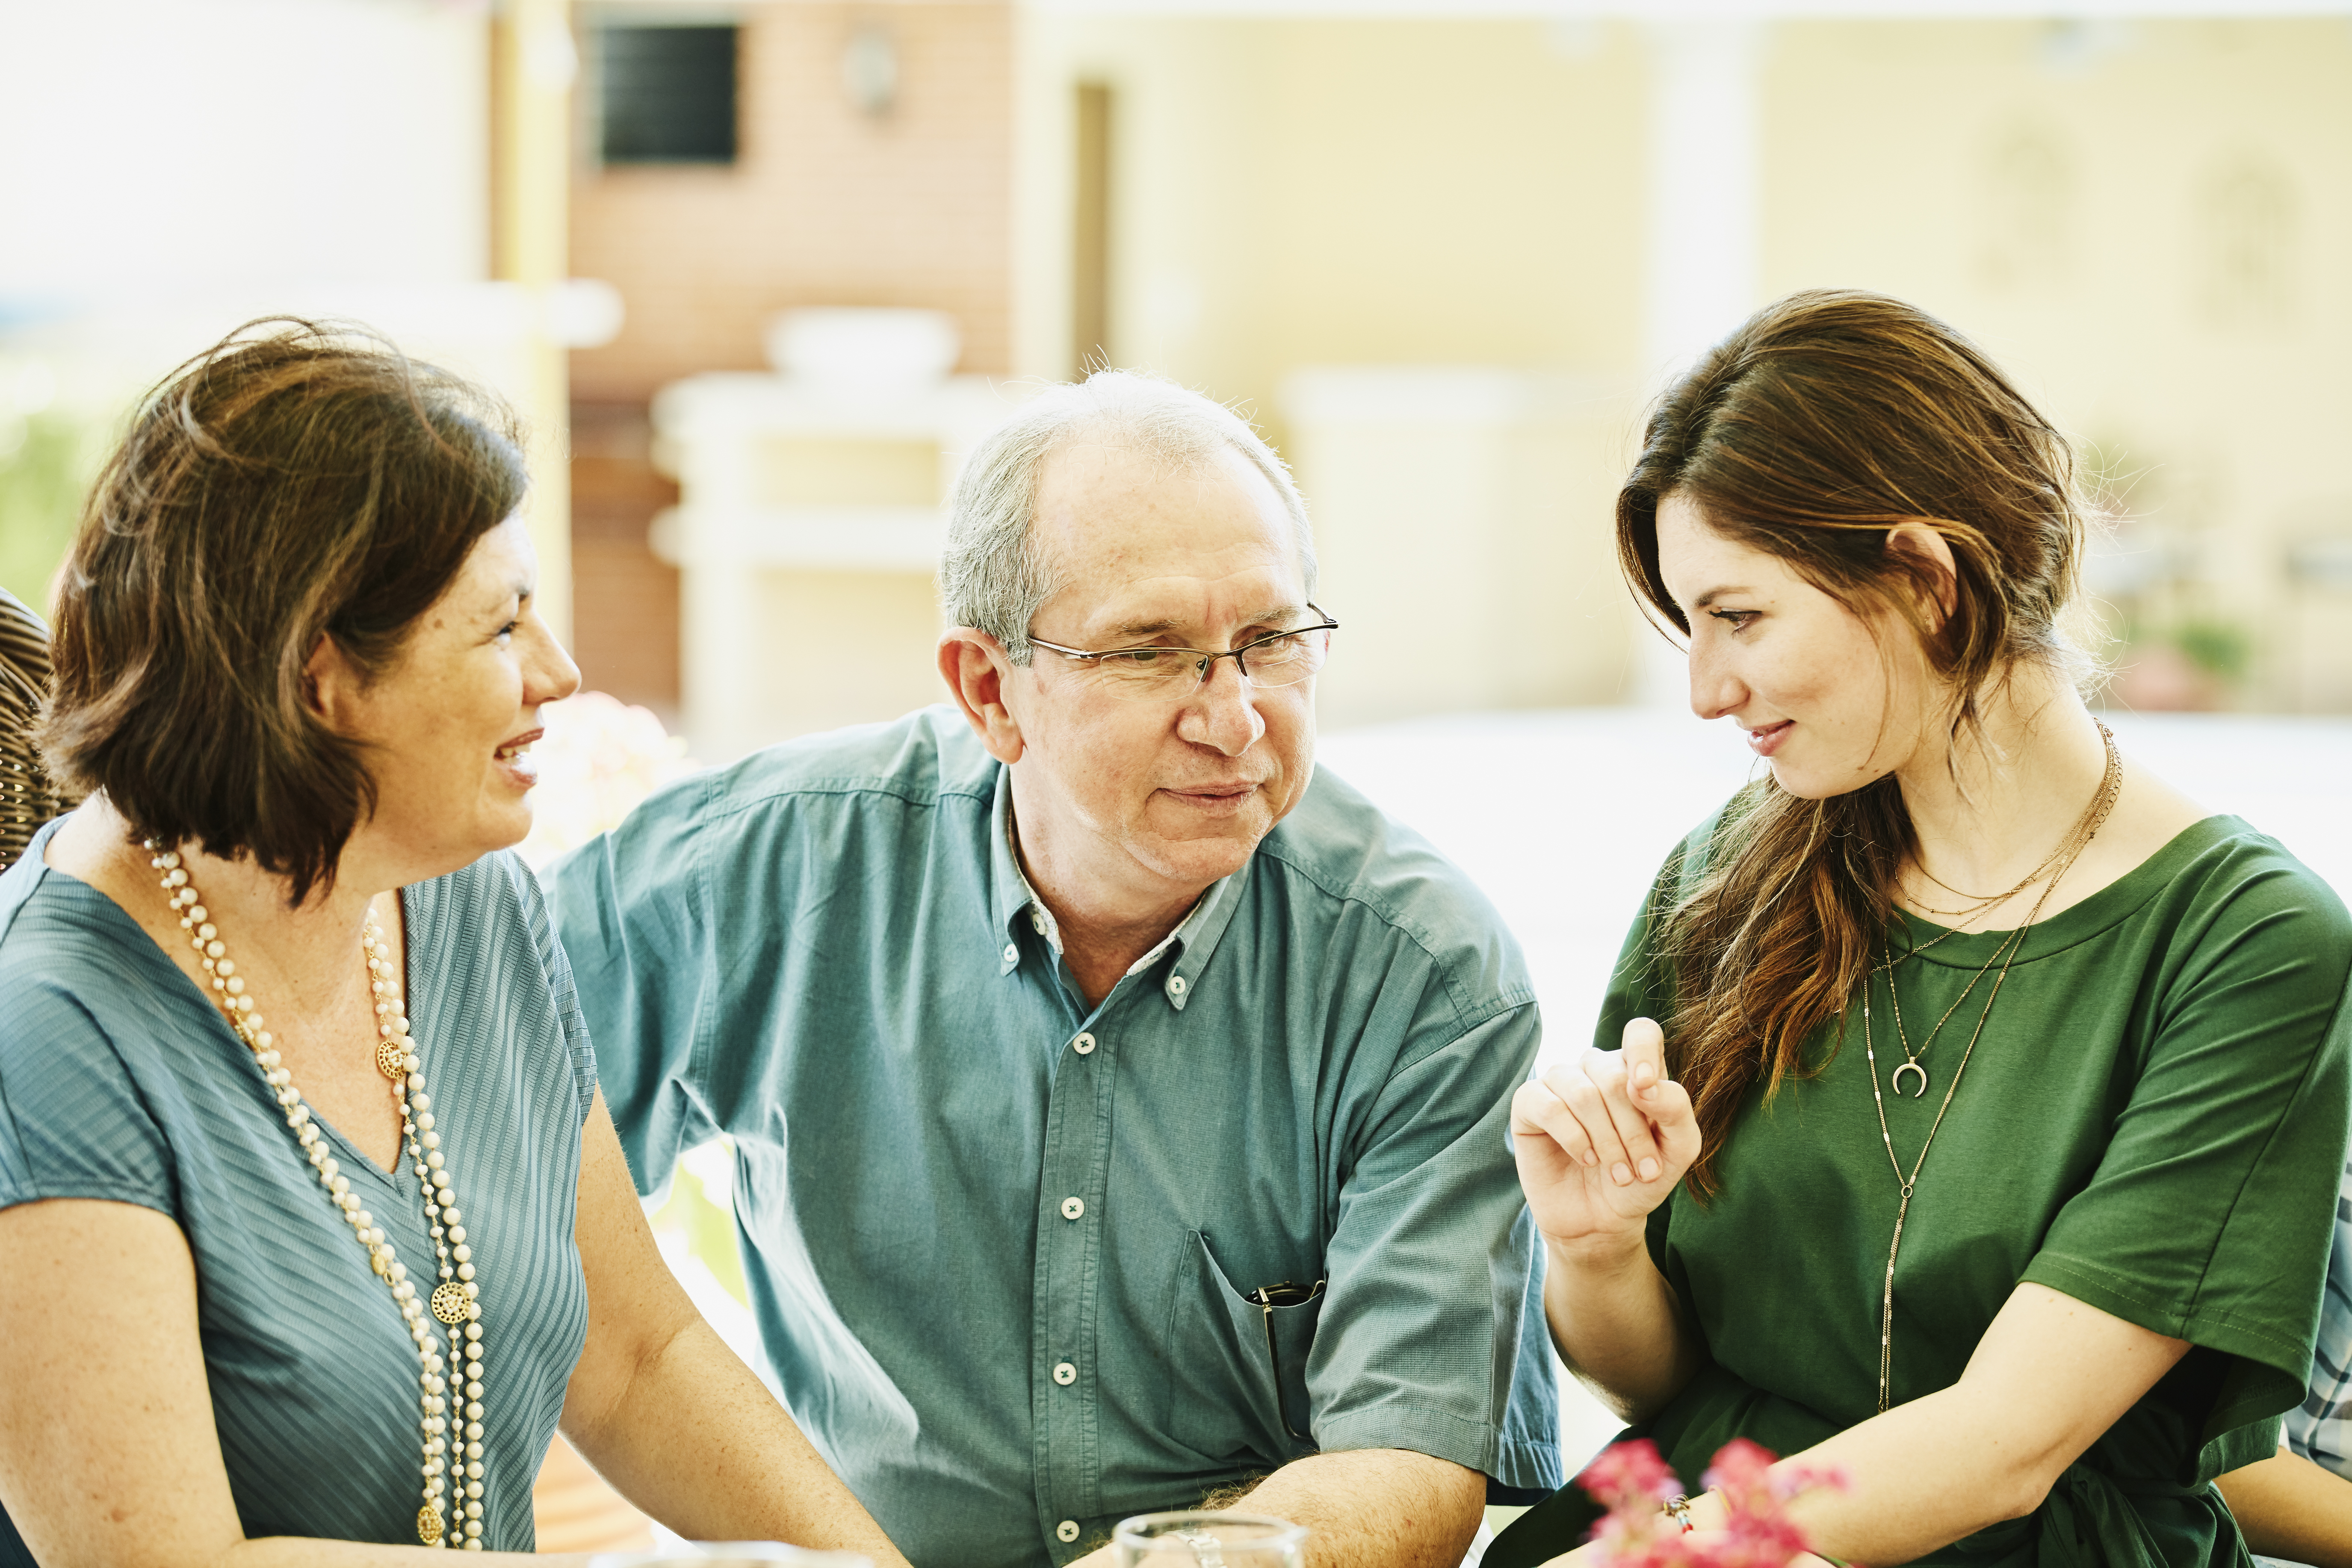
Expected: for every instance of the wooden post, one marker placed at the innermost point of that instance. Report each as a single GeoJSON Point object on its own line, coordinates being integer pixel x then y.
{"type": "Point", "coordinates": [533, 65]}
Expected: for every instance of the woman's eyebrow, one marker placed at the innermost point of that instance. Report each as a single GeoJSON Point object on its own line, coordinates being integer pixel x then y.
{"type": "Point", "coordinates": [1712, 594]}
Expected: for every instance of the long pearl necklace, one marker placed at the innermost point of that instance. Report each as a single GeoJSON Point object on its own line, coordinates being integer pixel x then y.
{"type": "Point", "coordinates": [456, 1300]}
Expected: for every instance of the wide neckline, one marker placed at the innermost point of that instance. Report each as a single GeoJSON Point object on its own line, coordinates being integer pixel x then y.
{"type": "Point", "coordinates": [2077, 922]}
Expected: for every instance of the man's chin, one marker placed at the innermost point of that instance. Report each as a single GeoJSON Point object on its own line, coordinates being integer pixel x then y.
{"type": "Point", "coordinates": [1202, 859]}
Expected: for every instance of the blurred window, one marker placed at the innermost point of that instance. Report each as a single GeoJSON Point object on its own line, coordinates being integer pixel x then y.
{"type": "Point", "coordinates": [668, 94]}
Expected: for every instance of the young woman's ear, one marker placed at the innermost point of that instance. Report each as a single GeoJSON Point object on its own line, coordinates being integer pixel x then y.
{"type": "Point", "coordinates": [1928, 548]}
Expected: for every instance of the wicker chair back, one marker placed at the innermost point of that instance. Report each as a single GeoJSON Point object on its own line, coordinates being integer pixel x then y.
{"type": "Point", "coordinates": [27, 798]}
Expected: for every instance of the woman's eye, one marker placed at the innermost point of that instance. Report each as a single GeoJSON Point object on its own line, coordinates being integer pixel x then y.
{"type": "Point", "coordinates": [507, 631]}
{"type": "Point", "coordinates": [1737, 619]}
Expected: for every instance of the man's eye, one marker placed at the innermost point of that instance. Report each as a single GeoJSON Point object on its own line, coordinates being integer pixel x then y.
{"type": "Point", "coordinates": [1139, 657]}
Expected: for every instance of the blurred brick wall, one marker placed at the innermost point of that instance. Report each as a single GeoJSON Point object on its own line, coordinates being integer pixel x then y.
{"type": "Point", "coordinates": [624, 615]}
{"type": "Point", "coordinates": [824, 205]}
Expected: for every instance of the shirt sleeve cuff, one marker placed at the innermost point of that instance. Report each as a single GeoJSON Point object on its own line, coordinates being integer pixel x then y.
{"type": "Point", "coordinates": [1472, 1445]}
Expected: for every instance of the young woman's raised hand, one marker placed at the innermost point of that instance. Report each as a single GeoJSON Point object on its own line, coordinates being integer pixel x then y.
{"type": "Point", "coordinates": [1602, 1140]}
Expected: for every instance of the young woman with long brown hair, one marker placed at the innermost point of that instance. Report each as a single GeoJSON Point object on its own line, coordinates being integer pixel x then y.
{"type": "Point", "coordinates": [1980, 1100]}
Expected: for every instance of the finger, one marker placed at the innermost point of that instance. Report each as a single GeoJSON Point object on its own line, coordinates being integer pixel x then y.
{"type": "Point", "coordinates": [1580, 1105]}
{"type": "Point", "coordinates": [1641, 1160]}
{"type": "Point", "coordinates": [1537, 1110]}
{"type": "Point", "coordinates": [1677, 1128]}
{"type": "Point", "coordinates": [1589, 1104]}
{"type": "Point", "coordinates": [1645, 1057]}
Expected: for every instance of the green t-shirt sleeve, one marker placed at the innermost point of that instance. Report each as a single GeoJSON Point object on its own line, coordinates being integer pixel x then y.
{"type": "Point", "coordinates": [2209, 1217]}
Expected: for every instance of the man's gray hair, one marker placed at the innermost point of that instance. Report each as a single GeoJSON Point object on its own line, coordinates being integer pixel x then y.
{"type": "Point", "coordinates": [994, 575]}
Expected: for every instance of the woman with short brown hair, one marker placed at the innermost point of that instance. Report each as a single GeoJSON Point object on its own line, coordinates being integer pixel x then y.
{"type": "Point", "coordinates": [313, 1223]}
{"type": "Point", "coordinates": [1978, 1100]}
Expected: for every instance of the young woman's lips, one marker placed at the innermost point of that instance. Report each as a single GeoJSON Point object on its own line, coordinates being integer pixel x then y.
{"type": "Point", "coordinates": [1766, 741]}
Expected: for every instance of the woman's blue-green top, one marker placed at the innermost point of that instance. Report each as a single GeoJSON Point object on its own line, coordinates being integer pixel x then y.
{"type": "Point", "coordinates": [2153, 1122]}
{"type": "Point", "coordinates": [119, 1081]}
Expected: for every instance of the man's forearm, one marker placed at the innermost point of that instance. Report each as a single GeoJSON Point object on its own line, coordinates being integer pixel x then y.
{"type": "Point", "coordinates": [2291, 1508]}
{"type": "Point", "coordinates": [1365, 1508]}
{"type": "Point", "coordinates": [1375, 1508]}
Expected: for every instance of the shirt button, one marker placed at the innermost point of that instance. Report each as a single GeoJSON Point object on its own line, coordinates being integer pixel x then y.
{"type": "Point", "coordinates": [1037, 922]}
{"type": "Point", "coordinates": [1011, 953]}
{"type": "Point", "coordinates": [1066, 1374]}
{"type": "Point", "coordinates": [1084, 1045]}
{"type": "Point", "coordinates": [1066, 1530]}
{"type": "Point", "coordinates": [1074, 1208]}
{"type": "Point", "coordinates": [1175, 985]}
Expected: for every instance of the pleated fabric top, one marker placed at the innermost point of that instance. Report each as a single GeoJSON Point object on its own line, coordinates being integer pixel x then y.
{"type": "Point", "coordinates": [119, 1081]}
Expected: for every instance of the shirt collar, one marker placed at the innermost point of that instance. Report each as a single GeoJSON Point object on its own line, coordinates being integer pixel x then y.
{"type": "Point", "coordinates": [1015, 904]}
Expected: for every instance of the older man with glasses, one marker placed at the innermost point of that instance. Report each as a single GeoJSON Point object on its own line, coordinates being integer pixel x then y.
{"type": "Point", "coordinates": [1119, 1107]}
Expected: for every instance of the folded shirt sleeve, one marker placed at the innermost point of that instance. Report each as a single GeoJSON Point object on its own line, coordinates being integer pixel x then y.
{"type": "Point", "coordinates": [74, 1122]}
{"type": "Point", "coordinates": [1432, 1337]}
{"type": "Point", "coordinates": [2209, 1217]}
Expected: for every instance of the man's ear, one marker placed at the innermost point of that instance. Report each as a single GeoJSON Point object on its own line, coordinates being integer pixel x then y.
{"type": "Point", "coordinates": [332, 685]}
{"type": "Point", "coordinates": [1930, 549]}
{"type": "Point", "coordinates": [976, 670]}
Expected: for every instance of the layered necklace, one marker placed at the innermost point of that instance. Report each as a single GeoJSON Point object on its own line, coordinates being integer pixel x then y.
{"type": "Point", "coordinates": [2061, 862]}
{"type": "Point", "coordinates": [452, 1465]}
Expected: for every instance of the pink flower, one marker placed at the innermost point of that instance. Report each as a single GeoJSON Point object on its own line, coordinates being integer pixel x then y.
{"type": "Point", "coordinates": [1632, 1479]}
{"type": "Point", "coordinates": [1629, 1473]}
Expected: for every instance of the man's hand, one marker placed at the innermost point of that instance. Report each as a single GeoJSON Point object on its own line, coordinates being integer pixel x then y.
{"type": "Point", "coordinates": [1602, 1141]}
{"type": "Point", "coordinates": [1367, 1508]}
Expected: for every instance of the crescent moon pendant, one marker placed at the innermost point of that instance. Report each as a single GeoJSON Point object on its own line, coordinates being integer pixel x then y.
{"type": "Point", "coordinates": [1911, 1067]}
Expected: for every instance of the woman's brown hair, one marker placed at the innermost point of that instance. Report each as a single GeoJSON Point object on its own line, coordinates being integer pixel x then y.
{"type": "Point", "coordinates": [1829, 419]}
{"type": "Point", "coordinates": [307, 481]}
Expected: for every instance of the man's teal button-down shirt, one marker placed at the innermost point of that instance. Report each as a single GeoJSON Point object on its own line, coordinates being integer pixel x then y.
{"type": "Point", "coordinates": [998, 1241]}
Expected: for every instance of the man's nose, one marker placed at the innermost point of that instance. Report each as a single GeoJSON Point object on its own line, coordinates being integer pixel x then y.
{"type": "Point", "coordinates": [1224, 712]}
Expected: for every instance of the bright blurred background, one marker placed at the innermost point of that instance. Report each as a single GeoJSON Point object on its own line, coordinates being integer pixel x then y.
{"type": "Point", "coordinates": [758, 274]}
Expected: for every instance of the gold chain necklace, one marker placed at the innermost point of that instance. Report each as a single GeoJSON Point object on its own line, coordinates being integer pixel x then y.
{"type": "Point", "coordinates": [2110, 785]}
{"type": "Point", "coordinates": [456, 1300]}
{"type": "Point", "coordinates": [2078, 837]}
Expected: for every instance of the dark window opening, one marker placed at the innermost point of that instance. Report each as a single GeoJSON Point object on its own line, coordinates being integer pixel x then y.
{"type": "Point", "coordinates": [668, 94]}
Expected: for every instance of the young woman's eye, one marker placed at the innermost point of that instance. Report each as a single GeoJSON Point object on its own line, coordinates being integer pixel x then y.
{"type": "Point", "coordinates": [1737, 619]}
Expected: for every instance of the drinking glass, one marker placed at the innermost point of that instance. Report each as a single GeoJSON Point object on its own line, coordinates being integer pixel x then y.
{"type": "Point", "coordinates": [1208, 1540]}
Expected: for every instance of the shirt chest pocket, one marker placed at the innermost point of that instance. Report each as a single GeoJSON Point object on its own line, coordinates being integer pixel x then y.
{"type": "Point", "coordinates": [1237, 1365]}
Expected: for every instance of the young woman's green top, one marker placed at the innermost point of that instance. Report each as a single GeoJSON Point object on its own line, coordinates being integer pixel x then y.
{"type": "Point", "coordinates": [2153, 1122]}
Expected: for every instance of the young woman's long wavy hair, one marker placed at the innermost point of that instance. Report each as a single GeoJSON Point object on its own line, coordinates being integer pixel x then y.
{"type": "Point", "coordinates": [1826, 421]}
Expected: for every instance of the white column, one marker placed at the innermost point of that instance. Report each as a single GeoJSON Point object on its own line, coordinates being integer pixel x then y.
{"type": "Point", "coordinates": [1703, 276]}
{"type": "Point", "coordinates": [1704, 173]}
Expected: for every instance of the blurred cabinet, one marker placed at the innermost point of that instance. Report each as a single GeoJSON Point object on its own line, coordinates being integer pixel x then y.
{"type": "Point", "coordinates": [807, 536]}
{"type": "Point", "coordinates": [1464, 522]}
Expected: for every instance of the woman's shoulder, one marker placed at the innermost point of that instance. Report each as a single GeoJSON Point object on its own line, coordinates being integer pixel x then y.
{"type": "Point", "coordinates": [2224, 865]}
{"type": "Point", "coordinates": [61, 937]}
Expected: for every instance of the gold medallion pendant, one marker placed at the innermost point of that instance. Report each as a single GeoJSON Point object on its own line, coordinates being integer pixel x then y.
{"type": "Point", "coordinates": [392, 1058]}
{"type": "Point", "coordinates": [449, 1301]}
{"type": "Point", "coordinates": [428, 1525]}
